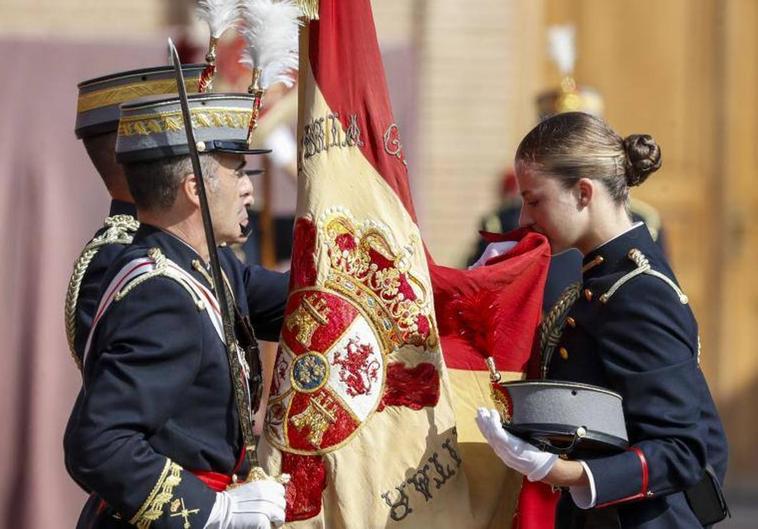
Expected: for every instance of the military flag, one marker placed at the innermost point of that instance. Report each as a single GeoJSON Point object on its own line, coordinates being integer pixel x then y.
{"type": "Point", "coordinates": [361, 412]}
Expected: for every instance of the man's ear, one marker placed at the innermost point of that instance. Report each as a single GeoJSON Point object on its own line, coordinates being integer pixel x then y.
{"type": "Point", "coordinates": [585, 190]}
{"type": "Point", "coordinates": [189, 189]}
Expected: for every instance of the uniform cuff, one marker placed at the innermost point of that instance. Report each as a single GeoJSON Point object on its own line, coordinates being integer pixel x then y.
{"type": "Point", "coordinates": [585, 496]}
{"type": "Point", "coordinates": [620, 478]}
{"type": "Point", "coordinates": [178, 500]}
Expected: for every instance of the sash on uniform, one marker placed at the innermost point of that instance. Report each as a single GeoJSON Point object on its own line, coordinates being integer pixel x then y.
{"type": "Point", "coordinates": [141, 268]}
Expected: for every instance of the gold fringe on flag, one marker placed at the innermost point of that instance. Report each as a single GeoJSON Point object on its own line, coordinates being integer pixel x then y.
{"type": "Point", "coordinates": [309, 8]}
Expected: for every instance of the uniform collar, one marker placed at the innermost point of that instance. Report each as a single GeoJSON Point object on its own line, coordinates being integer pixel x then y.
{"type": "Point", "coordinates": [119, 207]}
{"type": "Point", "coordinates": [611, 256]}
{"type": "Point", "coordinates": [174, 249]}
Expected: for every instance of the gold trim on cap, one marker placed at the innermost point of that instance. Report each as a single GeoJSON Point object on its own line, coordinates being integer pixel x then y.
{"type": "Point", "coordinates": [118, 94]}
{"type": "Point", "coordinates": [205, 117]}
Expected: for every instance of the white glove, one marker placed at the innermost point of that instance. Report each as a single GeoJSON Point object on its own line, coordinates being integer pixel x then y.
{"type": "Point", "coordinates": [254, 505]}
{"type": "Point", "coordinates": [516, 453]}
{"type": "Point", "coordinates": [493, 249]}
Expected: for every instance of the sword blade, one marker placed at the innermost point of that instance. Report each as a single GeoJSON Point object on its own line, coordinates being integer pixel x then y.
{"type": "Point", "coordinates": [210, 237]}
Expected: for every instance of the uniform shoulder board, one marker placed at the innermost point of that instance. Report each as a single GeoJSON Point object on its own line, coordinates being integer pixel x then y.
{"type": "Point", "coordinates": [162, 267]}
{"type": "Point", "coordinates": [119, 229]}
{"type": "Point", "coordinates": [643, 267]}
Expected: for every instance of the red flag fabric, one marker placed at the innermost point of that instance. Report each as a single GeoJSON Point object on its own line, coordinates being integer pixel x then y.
{"type": "Point", "coordinates": [362, 412]}
{"type": "Point", "coordinates": [494, 311]}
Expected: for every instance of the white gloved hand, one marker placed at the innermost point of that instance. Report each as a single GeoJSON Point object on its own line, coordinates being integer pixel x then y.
{"type": "Point", "coordinates": [516, 453]}
{"type": "Point", "coordinates": [253, 505]}
{"type": "Point", "coordinates": [493, 249]}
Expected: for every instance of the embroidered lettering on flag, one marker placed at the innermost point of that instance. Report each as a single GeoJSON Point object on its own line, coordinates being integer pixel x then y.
{"type": "Point", "coordinates": [361, 409]}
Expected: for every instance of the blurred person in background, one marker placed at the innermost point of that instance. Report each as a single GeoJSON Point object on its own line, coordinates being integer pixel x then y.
{"type": "Point", "coordinates": [274, 214]}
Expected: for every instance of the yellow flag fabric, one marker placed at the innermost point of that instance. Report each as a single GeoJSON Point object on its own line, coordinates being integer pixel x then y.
{"type": "Point", "coordinates": [361, 411]}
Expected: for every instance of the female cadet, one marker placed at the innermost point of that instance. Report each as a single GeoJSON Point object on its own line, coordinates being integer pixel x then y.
{"type": "Point", "coordinates": [630, 330]}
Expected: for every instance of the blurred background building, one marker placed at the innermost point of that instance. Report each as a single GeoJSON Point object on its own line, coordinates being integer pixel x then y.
{"type": "Point", "coordinates": [463, 79]}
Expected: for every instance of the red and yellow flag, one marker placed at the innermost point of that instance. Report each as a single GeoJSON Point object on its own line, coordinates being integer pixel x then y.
{"type": "Point", "coordinates": [363, 403]}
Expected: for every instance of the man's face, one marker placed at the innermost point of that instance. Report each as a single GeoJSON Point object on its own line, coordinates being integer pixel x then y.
{"type": "Point", "coordinates": [224, 198]}
{"type": "Point", "coordinates": [247, 198]}
{"type": "Point", "coordinates": [549, 208]}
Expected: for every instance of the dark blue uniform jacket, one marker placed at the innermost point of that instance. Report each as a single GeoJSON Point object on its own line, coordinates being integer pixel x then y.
{"type": "Point", "coordinates": [641, 340]}
{"type": "Point", "coordinates": [157, 401]}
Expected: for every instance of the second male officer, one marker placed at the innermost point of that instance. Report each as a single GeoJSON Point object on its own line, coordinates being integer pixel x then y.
{"type": "Point", "coordinates": [97, 116]}
{"type": "Point", "coordinates": [158, 431]}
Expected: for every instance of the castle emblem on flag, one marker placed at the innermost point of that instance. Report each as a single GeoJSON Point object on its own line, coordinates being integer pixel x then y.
{"type": "Point", "coordinates": [307, 318]}
{"type": "Point", "coordinates": [315, 420]}
{"type": "Point", "coordinates": [324, 391]}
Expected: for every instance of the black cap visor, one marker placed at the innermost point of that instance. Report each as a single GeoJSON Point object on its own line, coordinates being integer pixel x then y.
{"type": "Point", "coordinates": [156, 153]}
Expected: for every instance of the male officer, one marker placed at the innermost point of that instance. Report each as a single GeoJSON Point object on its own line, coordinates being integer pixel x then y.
{"type": "Point", "coordinates": [157, 434]}
{"type": "Point", "coordinates": [96, 124]}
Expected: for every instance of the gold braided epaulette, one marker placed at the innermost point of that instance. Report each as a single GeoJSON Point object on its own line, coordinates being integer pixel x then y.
{"type": "Point", "coordinates": [551, 327]}
{"type": "Point", "coordinates": [643, 267]}
{"type": "Point", "coordinates": [119, 229]}
{"type": "Point", "coordinates": [161, 269]}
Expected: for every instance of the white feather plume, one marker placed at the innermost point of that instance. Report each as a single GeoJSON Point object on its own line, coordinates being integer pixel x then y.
{"type": "Point", "coordinates": [562, 48]}
{"type": "Point", "coordinates": [220, 15]}
{"type": "Point", "coordinates": [270, 28]}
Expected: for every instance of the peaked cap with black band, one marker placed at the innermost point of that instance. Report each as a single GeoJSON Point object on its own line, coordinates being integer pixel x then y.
{"type": "Point", "coordinates": [152, 127]}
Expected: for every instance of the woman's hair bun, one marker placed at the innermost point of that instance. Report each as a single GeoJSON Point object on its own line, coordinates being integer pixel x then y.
{"type": "Point", "coordinates": [643, 156]}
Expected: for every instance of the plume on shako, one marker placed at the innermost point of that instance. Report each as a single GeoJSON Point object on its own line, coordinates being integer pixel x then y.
{"type": "Point", "coordinates": [270, 29]}
{"type": "Point", "coordinates": [220, 15]}
{"type": "Point", "coordinates": [561, 47]}
{"type": "Point", "coordinates": [563, 53]}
